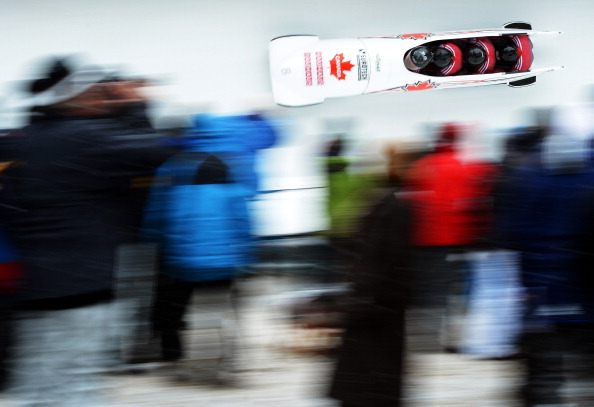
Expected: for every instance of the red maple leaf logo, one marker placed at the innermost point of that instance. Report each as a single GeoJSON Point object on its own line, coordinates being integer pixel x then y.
{"type": "Point", "coordinates": [338, 66]}
{"type": "Point", "coordinates": [420, 86]}
{"type": "Point", "coordinates": [416, 36]}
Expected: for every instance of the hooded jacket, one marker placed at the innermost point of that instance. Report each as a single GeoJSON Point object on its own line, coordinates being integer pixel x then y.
{"type": "Point", "coordinates": [545, 213]}
{"type": "Point", "coordinates": [197, 208]}
{"type": "Point", "coordinates": [235, 139]}
{"type": "Point", "coordinates": [70, 201]}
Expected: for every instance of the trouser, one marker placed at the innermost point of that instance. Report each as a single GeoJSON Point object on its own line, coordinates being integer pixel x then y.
{"type": "Point", "coordinates": [57, 357]}
{"type": "Point", "coordinates": [438, 298]}
{"type": "Point", "coordinates": [5, 341]}
{"type": "Point", "coordinates": [172, 302]}
{"type": "Point", "coordinates": [135, 281]}
{"type": "Point", "coordinates": [495, 305]}
{"type": "Point", "coordinates": [551, 358]}
{"type": "Point", "coordinates": [342, 254]}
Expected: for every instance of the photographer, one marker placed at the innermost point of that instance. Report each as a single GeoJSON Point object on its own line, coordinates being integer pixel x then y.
{"type": "Point", "coordinates": [72, 203]}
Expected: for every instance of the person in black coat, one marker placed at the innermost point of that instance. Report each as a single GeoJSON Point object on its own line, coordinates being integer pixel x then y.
{"type": "Point", "coordinates": [370, 362]}
{"type": "Point", "coordinates": [544, 212]}
{"type": "Point", "coordinates": [71, 202]}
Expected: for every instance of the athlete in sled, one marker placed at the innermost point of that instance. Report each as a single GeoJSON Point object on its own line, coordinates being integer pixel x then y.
{"type": "Point", "coordinates": [306, 70]}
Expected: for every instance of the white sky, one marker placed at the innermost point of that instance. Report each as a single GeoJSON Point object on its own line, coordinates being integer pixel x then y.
{"type": "Point", "coordinates": [215, 53]}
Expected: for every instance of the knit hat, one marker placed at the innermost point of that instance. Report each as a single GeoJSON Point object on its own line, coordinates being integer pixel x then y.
{"type": "Point", "coordinates": [61, 80]}
{"type": "Point", "coordinates": [448, 133]}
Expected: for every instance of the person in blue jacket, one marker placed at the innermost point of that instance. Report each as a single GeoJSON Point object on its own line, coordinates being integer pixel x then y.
{"type": "Point", "coordinates": [197, 212]}
{"type": "Point", "coordinates": [237, 138]}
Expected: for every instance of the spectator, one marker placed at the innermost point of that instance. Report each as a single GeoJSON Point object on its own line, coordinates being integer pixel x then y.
{"type": "Point", "coordinates": [88, 137]}
{"type": "Point", "coordinates": [353, 184]}
{"type": "Point", "coordinates": [198, 214]}
{"type": "Point", "coordinates": [370, 361]}
{"type": "Point", "coordinates": [10, 276]}
{"type": "Point", "coordinates": [450, 200]}
{"type": "Point", "coordinates": [545, 213]}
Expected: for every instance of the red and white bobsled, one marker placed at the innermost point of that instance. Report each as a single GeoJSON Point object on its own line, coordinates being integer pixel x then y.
{"type": "Point", "coordinates": [306, 70]}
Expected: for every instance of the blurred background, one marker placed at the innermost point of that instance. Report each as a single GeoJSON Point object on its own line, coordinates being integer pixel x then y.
{"type": "Point", "coordinates": [213, 56]}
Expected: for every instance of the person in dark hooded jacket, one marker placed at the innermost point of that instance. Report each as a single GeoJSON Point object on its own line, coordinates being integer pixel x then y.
{"type": "Point", "coordinates": [370, 362]}
{"type": "Point", "coordinates": [544, 212]}
{"type": "Point", "coordinates": [70, 206]}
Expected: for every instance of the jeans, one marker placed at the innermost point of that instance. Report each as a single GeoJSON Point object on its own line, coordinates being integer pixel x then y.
{"type": "Point", "coordinates": [554, 358]}
{"type": "Point", "coordinates": [438, 301]}
{"type": "Point", "coordinates": [58, 355]}
{"type": "Point", "coordinates": [5, 341]}
{"type": "Point", "coordinates": [173, 300]}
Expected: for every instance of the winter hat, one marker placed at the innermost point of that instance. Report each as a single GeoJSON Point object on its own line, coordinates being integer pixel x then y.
{"type": "Point", "coordinates": [448, 133]}
{"type": "Point", "coordinates": [62, 80]}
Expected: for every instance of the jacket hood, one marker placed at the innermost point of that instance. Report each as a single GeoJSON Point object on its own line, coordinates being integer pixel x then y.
{"type": "Point", "coordinates": [562, 153]}
{"type": "Point", "coordinates": [210, 133]}
{"type": "Point", "coordinates": [568, 146]}
{"type": "Point", "coordinates": [214, 133]}
{"type": "Point", "coordinates": [447, 137]}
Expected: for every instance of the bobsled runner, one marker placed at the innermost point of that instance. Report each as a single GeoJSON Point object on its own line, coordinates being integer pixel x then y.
{"type": "Point", "coordinates": [306, 70]}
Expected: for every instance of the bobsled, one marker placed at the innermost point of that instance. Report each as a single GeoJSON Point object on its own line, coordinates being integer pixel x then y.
{"type": "Point", "coordinates": [306, 70]}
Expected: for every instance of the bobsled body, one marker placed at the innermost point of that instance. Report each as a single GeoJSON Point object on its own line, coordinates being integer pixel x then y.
{"type": "Point", "coordinates": [306, 70]}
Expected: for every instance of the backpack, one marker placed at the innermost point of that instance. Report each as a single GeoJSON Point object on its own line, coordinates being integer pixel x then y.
{"type": "Point", "coordinates": [199, 216]}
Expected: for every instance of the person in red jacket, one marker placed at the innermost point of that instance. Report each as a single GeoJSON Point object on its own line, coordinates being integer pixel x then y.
{"type": "Point", "coordinates": [451, 206]}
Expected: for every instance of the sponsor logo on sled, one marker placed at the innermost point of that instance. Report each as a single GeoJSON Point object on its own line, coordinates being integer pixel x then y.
{"type": "Point", "coordinates": [416, 36]}
{"type": "Point", "coordinates": [339, 67]}
{"type": "Point", "coordinates": [363, 65]}
{"type": "Point", "coordinates": [320, 68]}
{"type": "Point", "coordinates": [308, 74]}
{"type": "Point", "coordinates": [420, 86]}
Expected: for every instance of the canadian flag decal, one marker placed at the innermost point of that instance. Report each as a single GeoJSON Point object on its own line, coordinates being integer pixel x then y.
{"type": "Point", "coordinates": [338, 66]}
{"type": "Point", "coordinates": [420, 86]}
{"type": "Point", "coordinates": [416, 36]}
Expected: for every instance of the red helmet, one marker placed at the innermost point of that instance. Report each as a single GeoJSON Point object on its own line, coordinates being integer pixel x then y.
{"type": "Point", "coordinates": [524, 49]}
{"type": "Point", "coordinates": [448, 58]}
{"type": "Point", "coordinates": [516, 53]}
{"type": "Point", "coordinates": [480, 56]}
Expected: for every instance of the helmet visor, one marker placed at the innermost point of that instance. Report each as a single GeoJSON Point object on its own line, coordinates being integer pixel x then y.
{"type": "Point", "coordinates": [442, 57]}
{"type": "Point", "coordinates": [421, 57]}
{"type": "Point", "coordinates": [475, 55]}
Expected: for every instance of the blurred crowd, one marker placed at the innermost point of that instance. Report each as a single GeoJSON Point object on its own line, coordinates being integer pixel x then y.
{"type": "Point", "coordinates": [437, 251]}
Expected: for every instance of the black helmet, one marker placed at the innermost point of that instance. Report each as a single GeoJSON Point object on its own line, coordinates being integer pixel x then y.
{"type": "Point", "coordinates": [420, 56]}
{"type": "Point", "coordinates": [474, 55]}
{"type": "Point", "coordinates": [509, 54]}
{"type": "Point", "coordinates": [442, 57]}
